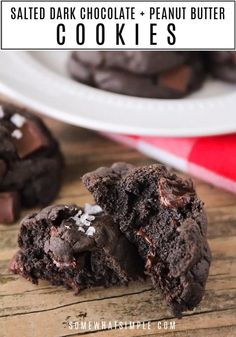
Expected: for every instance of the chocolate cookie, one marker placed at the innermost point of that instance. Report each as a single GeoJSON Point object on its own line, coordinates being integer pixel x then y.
{"type": "Point", "coordinates": [162, 215]}
{"type": "Point", "coordinates": [75, 247]}
{"type": "Point", "coordinates": [30, 162]}
{"type": "Point", "coordinates": [176, 82]}
{"type": "Point", "coordinates": [137, 62]}
{"type": "Point", "coordinates": [222, 64]}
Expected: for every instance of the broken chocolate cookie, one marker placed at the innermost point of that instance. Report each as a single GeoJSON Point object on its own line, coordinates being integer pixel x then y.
{"type": "Point", "coordinates": [30, 162]}
{"type": "Point", "coordinates": [161, 214]}
{"type": "Point", "coordinates": [75, 247]}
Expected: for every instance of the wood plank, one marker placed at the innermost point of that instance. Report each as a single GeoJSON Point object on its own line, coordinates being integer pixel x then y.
{"type": "Point", "coordinates": [28, 310]}
{"type": "Point", "coordinates": [124, 308]}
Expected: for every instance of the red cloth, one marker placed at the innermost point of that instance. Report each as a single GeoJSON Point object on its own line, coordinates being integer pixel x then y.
{"type": "Point", "coordinates": [212, 159]}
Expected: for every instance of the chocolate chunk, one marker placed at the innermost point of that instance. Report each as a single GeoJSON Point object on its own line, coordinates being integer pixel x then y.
{"type": "Point", "coordinates": [177, 79]}
{"type": "Point", "coordinates": [162, 215]}
{"type": "Point", "coordinates": [141, 233]}
{"type": "Point", "coordinates": [30, 139]}
{"type": "Point", "coordinates": [10, 207]}
{"type": "Point", "coordinates": [55, 245]}
{"type": "Point", "coordinates": [3, 168]}
{"type": "Point", "coordinates": [175, 193]}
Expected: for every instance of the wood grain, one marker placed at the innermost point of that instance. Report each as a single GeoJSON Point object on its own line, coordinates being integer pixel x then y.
{"type": "Point", "coordinates": [27, 310]}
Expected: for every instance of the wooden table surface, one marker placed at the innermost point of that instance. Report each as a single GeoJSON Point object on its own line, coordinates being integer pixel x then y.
{"type": "Point", "coordinates": [27, 310]}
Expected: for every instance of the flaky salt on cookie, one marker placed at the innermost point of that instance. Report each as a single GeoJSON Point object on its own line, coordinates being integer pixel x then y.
{"type": "Point", "coordinates": [75, 247]}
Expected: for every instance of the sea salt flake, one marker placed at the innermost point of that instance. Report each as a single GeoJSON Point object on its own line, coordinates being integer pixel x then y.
{"type": "Point", "coordinates": [18, 120]}
{"type": "Point", "coordinates": [17, 134]}
{"type": "Point", "coordinates": [62, 264]}
{"type": "Point", "coordinates": [86, 219]}
{"type": "Point", "coordinates": [76, 217]}
{"type": "Point", "coordinates": [83, 220]}
{"type": "Point", "coordinates": [92, 209]}
{"type": "Point", "coordinates": [90, 231]}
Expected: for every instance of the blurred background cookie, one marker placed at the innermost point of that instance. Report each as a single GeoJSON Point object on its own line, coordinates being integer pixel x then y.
{"type": "Point", "coordinates": [137, 62]}
{"type": "Point", "coordinates": [30, 162]}
{"type": "Point", "coordinates": [222, 64]}
{"type": "Point", "coordinates": [143, 74]}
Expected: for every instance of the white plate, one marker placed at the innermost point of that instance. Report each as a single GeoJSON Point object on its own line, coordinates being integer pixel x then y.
{"type": "Point", "coordinates": [40, 81]}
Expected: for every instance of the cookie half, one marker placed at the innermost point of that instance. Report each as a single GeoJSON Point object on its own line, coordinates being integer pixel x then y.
{"type": "Point", "coordinates": [161, 214]}
{"type": "Point", "coordinates": [75, 247]}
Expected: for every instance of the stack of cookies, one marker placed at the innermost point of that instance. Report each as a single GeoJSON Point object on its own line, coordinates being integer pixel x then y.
{"type": "Point", "coordinates": [154, 74]}
{"type": "Point", "coordinates": [138, 73]}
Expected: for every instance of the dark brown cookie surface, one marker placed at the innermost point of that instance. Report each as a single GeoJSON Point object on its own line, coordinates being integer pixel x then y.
{"type": "Point", "coordinates": [175, 81]}
{"type": "Point", "coordinates": [75, 247]}
{"type": "Point", "coordinates": [162, 215]}
{"type": "Point", "coordinates": [222, 65]}
{"type": "Point", "coordinates": [30, 159]}
{"type": "Point", "coordinates": [137, 62]}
